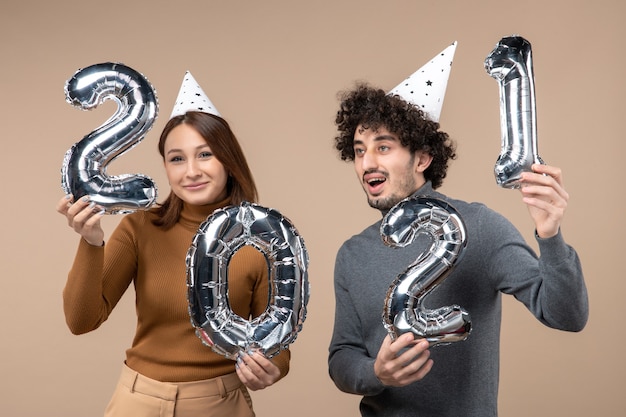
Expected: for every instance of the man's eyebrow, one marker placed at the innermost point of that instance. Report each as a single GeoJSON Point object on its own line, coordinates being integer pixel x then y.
{"type": "Point", "coordinates": [385, 137]}
{"type": "Point", "coordinates": [379, 138]}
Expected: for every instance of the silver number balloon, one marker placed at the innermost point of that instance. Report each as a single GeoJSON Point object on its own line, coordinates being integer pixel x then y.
{"type": "Point", "coordinates": [404, 309]}
{"type": "Point", "coordinates": [510, 63]}
{"type": "Point", "coordinates": [217, 240]}
{"type": "Point", "coordinates": [84, 166]}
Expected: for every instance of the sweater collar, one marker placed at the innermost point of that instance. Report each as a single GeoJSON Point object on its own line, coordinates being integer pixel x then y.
{"type": "Point", "coordinates": [192, 216]}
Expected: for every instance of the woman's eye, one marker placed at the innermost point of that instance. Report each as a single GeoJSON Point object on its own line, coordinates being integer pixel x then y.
{"type": "Point", "coordinates": [176, 159]}
{"type": "Point", "coordinates": [206, 154]}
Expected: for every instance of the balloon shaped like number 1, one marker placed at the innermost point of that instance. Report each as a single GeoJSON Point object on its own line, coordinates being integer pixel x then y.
{"type": "Point", "coordinates": [84, 166]}
{"type": "Point", "coordinates": [510, 63]}
{"type": "Point", "coordinates": [404, 309]}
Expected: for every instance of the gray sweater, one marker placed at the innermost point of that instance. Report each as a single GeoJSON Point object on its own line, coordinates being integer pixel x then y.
{"type": "Point", "coordinates": [464, 379]}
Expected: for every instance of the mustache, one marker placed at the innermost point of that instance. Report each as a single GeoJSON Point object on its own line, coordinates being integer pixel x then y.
{"type": "Point", "coordinates": [375, 171]}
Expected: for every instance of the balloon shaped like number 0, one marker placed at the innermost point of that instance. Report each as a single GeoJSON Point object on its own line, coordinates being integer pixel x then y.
{"type": "Point", "coordinates": [217, 240]}
{"type": "Point", "coordinates": [404, 309]}
{"type": "Point", "coordinates": [84, 166]}
{"type": "Point", "coordinates": [510, 63]}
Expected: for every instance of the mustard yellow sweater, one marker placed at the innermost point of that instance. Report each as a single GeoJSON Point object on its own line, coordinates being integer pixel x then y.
{"type": "Point", "coordinates": [165, 346]}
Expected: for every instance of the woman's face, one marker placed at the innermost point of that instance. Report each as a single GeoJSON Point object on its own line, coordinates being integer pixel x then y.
{"type": "Point", "coordinates": [194, 173]}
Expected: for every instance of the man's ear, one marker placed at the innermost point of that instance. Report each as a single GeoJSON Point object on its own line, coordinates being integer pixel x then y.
{"type": "Point", "coordinates": [423, 160]}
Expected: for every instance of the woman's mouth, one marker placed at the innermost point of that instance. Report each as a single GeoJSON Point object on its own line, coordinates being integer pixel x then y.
{"type": "Point", "coordinates": [194, 186]}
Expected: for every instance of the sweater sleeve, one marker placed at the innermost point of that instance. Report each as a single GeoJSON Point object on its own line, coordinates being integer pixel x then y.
{"type": "Point", "coordinates": [551, 285]}
{"type": "Point", "coordinates": [350, 365]}
{"type": "Point", "coordinates": [97, 280]}
{"type": "Point", "coordinates": [564, 303]}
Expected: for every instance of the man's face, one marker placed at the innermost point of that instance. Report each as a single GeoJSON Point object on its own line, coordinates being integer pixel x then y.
{"type": "Point", "coordinates": [387, 170]}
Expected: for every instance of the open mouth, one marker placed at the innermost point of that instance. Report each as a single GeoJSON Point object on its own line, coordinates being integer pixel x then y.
{"type": "Point", "coordinates": [375, 183]}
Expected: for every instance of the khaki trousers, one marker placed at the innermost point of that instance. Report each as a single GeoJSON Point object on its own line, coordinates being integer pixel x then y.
{"type": "Point", "coordinates": [139, 396]}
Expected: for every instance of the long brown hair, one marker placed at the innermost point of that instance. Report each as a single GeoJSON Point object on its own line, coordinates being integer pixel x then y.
{"type": "Point", "coordinates": [225, 147]}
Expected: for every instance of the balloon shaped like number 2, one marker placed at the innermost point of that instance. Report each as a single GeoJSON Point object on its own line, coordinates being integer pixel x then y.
{"type": "Point", "coordinates": [84, 166]}
{"type": "Point", "coordinates": [404, 309]}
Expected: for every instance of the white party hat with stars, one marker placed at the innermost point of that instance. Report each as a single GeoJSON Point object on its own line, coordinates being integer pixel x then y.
{"type": "Point", "coordinates": [191, 97]}
{"type": "Point", "coordinates": [426, 87]}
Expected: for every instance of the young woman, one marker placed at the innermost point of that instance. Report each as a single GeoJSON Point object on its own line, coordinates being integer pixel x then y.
{"type": "Point", "coordinates": [167, 367]}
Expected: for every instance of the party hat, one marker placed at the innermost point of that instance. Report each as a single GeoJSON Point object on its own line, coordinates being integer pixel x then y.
{"type": "Point", "coordinates": [191, 97]}
{"type": "Point", "coordinates": [426, 87]}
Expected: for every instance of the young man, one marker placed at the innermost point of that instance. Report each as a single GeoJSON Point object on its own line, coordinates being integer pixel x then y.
{"type": "Point", "coordinates": [398, 152]}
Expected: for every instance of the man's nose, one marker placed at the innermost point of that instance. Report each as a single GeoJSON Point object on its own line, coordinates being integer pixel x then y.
{"type": "Point", "coordinates": [369, 161]}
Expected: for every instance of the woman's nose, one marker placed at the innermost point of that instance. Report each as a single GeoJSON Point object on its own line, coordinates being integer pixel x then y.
{"type": "Point", "coordinates": [192, 169]}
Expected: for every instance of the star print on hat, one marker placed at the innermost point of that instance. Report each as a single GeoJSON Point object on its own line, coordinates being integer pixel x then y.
{"type": "Point", "coordinates": [426, 87]}
{"type": "Point", "coordinates": [191, 97]}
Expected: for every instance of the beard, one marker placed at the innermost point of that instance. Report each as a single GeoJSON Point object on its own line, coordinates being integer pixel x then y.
{"type": "Point", "coordinates": [405, 187]}
{"type": "Point", "coordinates": [385, 203]}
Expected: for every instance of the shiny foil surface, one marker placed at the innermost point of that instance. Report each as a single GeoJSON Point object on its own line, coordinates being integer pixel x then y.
{"type": "Point", "coordinates": [84, 167]}
{"type": "Point", "coordinates": [216, 241]}
{"type": "Point", "coordinates": [404, 309]}
{"type": "Point", "coordinates": [510, 64]}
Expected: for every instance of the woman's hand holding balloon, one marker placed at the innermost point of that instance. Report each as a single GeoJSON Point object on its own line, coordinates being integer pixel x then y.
{"type": "Point", "coordinates": [542, 191]}
{"type": "Point", "coordinates": [256, 371]}
{"type": "Point", "coordinates": [84, 217]}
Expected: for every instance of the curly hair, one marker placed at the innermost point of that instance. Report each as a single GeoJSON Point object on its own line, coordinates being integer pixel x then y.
{"type": "Point", "coordinates": [373, 108]}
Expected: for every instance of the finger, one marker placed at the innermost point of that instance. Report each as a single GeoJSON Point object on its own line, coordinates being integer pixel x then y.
{"type": "Point", "coordinates": [413, 358]}
{"type": "Point", "coordinates": [243, 376]}
{"type": "Point", "coordinates": [72, 209]}
{"type": "Point", "coordinates": [544, 186]}
{"type": "Point", "coordinates": [417, 371]}
{"type": "Point", "coordinates": [536, 178]}
{"type": "Point", "coordinates": [409, 367]}
{"type": "Point", "coordinates": [390, 349]}
{"type": "Point", "coordinates": [250, 373]}
{"type": "Point", "coordinates": [82, 212]}
{"type": "Point", "coordinates": [556, 197]}
{"type": "Point", "coordinates": [87, 224]}
{"type": "Point", "coordinates": [78, 206]}
{"type": "Point", "coordinates": [402, 342]}
{"type": "Point", "coordinates": [257, 358]}
{"type": "Point", "coordinates": [64, 204]}
{"type": "Point", "coordinates": [545, 175]}
{"type": "Point", "coordinates": [262, 367]}
{"type": "Point", "coordinates": [548, 170]}
{"type": "Point", "coordinates": [250, 363]}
